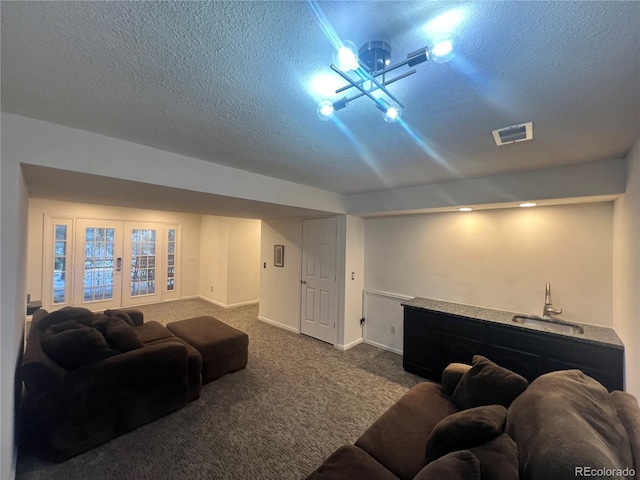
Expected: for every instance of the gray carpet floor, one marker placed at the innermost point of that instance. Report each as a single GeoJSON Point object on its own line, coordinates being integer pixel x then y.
{"type": "Point", "coordinates": [296, 402]}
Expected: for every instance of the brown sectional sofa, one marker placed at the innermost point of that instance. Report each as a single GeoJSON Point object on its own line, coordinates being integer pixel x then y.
{"type": "Point", "coordinates": [486, 423]}
{"type": "Point", "coordinates": [93, 392]}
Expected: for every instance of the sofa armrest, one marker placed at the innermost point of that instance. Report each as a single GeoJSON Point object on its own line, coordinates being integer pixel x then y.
{"type": "Point", "coordinates": [452, 375]}
{"type": "Point", "coordinates": [104, 399]}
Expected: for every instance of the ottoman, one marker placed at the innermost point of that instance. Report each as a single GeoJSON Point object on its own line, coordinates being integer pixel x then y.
{"type": "Point", "coordinates": [224, 349]}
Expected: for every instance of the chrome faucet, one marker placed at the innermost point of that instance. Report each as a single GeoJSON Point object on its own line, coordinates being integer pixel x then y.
{"type": "Point", "coordinates": [548, 310]}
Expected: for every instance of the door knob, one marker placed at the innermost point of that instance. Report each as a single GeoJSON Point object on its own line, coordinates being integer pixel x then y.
{"type": "Point", "coordinates": [304, 282]}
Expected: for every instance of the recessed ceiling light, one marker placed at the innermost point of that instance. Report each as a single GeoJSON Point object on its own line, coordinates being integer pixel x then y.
{"type": "Point", "coordinates": [528, 204]}
{"type": "Point", "coordinates": [465, 209]}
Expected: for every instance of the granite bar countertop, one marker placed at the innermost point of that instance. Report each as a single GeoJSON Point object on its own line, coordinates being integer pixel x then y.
{"type": "Point", "coordinates": [592, 333]}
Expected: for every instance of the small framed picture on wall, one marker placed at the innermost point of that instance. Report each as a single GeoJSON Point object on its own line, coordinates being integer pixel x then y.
{"type": "Point", "coordinates": [278, 255]}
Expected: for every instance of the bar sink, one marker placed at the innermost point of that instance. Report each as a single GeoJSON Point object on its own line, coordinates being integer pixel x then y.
{"type": "Point", "coordinates": [549, 324]}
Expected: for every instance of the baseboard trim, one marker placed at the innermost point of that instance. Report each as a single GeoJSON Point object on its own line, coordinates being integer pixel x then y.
{"type": "Point", "coordinates": [349, 345]}
{"type": "Point", "coordinates": [242, 304]}
{"type": "Point", "coordinates": [384, 347]}
{"type": "Point", "coordinates": [187, 297]}
{"type": "Point", "coordinates": [224, 305]}
{"type": "Point", "coordinates": [278, 324]}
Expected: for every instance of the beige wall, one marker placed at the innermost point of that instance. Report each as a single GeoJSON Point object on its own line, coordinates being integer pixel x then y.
{"type": "Point", "coordinates": [243, 284]}
{"type": "Point", "coordinates": [230, 249]}
{"type": "Point", "coordinates": [626, 271]}
{"type": "Point", "coordinates": [280, 286]}
{"type": "Point", "coordinates": [499, 258]}
{"type": "Point", "coordinates": [213, 254]}
{"type": "Point", "coordinates": [38, 208]}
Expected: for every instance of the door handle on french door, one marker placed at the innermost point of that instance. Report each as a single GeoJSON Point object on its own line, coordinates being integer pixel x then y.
{"type": "Point", "coordinates": [304, 282]}
{"type": "Point", "coordinates": [118, 264]}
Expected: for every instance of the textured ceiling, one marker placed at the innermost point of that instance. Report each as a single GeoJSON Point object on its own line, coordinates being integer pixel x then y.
{"type": "Point", "coordinates": [232, 83]}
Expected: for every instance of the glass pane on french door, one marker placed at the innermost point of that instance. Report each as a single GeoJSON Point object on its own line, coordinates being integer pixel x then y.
{"type": "Point", "coordinates": [99, 260]}
{"type": "Point", "coordinates": [143, 263]}
{"type": "Point", "coordinates": [99, 264]}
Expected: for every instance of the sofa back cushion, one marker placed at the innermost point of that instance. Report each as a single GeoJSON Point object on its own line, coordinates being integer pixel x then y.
{"type": "Point", "coordinates": [71, 344]}
{"type": "Point", "coordinates": [564, 421]}
{"type": "Point", "coordinates": [486, 384]}
{"type": "Point", "coordinates": [80, 315]}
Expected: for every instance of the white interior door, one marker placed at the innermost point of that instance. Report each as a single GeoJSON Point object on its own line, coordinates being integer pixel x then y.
{"type": "Point", "coordinates": [319, 299]}
{"type": "Point", "coordinates": [143, 265]}
{"type": "Point", "coordinates": [98, 264]}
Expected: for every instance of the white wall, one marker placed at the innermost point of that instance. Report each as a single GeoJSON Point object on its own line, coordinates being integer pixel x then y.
{"type": "Point", "coordinates": [214, 237]}
{"type": "Point", "coordinates": [280, 286]}
{"type": "Point", "coordinates": [230, 249]}
{"type": "Point", "coordinates": [499, 258]}
{"type": "Point", "coordinates": [244, 261]}
{"type": "Point", "coordinates": [189, 248]}
{"type": "Point", "coordinates": [588, 179]}
{"type": "Point", "coordinates": [350, 287]}
{"type": "Point", "coordinates": [626, 270]}
{"type": "Point", "coordinates": [13, 254]}
{"type": "Point", "coordinates": [50, 145]}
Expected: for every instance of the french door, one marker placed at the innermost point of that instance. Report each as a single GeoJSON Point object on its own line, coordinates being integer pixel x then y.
{"type": "Point", "coordinates": [109, 264]}
{"type": "Point", "coordinates": [143, 263]}
{"type": "Point", "coordinates": [98, 264]}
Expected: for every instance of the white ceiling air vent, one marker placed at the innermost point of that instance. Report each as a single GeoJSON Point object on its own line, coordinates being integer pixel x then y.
{"type": "Point", "coordinates": [513, 134]}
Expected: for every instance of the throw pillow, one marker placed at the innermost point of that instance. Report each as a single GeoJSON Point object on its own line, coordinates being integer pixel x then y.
{"type": "Point", "coordinates": [72, 345]}
{"type": "Point", "coordinates": [100, 321]}
{"type": "Point", "coordinates": [121, 336]}
{"type": "Point", "coordinates": [80, 315]}
{"type": "Point", "coordinates": [486, 384]}
{"type": "Point", "coordinates": [465, 429]}
{"type": "Point", "coordinates": [133, 317]}
{"type": "Point", "coordinates": [460, 465]}
{"type": "Point", "coordinates": [124, 316]}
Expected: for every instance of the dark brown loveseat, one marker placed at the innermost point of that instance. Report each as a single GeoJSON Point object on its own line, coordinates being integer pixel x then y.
{"type": "Point", "coordinates": [112, 373]}
{"type": "Point", "coordinates": [485, 423]}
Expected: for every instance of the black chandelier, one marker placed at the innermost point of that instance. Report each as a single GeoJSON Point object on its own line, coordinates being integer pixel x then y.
{"type": "Point", "coordinates": [370, 66]}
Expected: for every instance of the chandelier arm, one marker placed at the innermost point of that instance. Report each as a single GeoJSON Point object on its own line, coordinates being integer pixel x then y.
{"type": "Point", "coordinates": [382, 87]}
{"type": "Point", "coordinates": [399, 77]}
{"type": "Point", "coordinates": [362, 90]}
{"type": "Point", "coordinates": [377, 74]}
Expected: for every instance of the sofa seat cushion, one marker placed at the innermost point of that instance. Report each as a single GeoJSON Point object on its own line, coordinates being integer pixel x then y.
{"type": "Point", "coordinates": [459, 465]}
{"type": "Point", "coordinates": [565, 420]}
{"type": "Point", "coordinates": [351, 463]}
{"type": "Point", "coordinates": [151, 331]}
{"type": "Point", "coordinates": [465, 429]}
{"type": "Point", "coordinates": [71, 344]}
{"type": "Point", "coordinates": [486, 384]}
{"type": "Point", "coordinates": [399, 437]}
